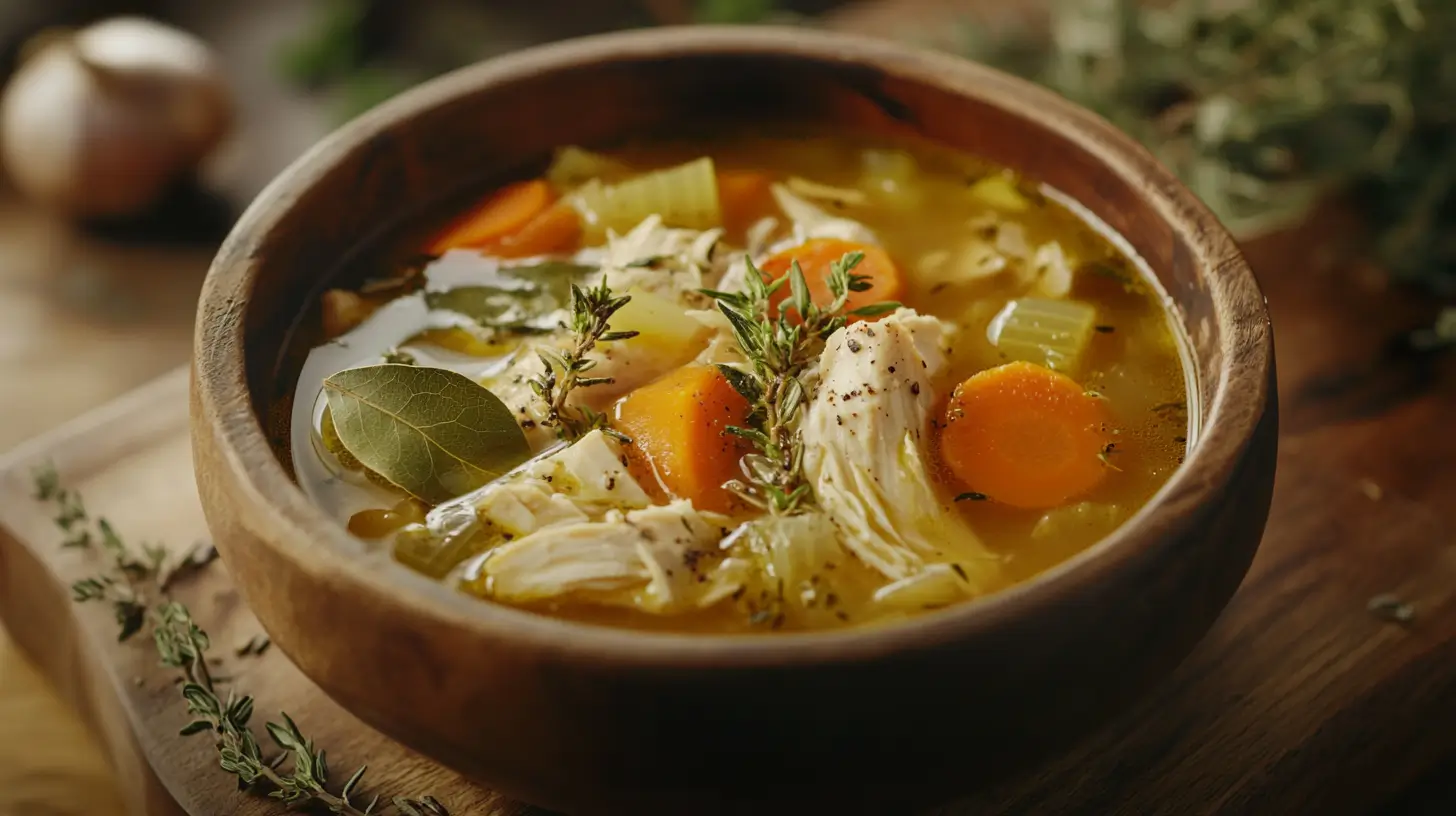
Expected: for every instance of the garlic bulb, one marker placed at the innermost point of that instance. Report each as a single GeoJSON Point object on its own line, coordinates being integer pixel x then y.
{"type": "Point", "coordinates": [101, 121]}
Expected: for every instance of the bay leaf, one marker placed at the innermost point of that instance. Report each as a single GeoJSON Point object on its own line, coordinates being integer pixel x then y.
{"type": "Point", "coordinates": [520, 298]}
{"type": "Point", "coordinates": [434, 433]}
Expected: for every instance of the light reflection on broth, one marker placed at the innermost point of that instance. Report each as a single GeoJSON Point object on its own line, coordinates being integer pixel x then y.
{"type": "Point", "coordinates": [964, 238]}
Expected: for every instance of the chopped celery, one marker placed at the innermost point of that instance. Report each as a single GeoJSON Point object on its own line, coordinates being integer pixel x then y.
{"type": "Point", "coordinates": [574, 166]}
{"type": "Point", "coordinates": [892, 176]}
{"type": "Point", "coordinates": [684, 196]}
{"type": "Point", "coordinates": [1052, 333]}
{"type": "Point", "coordinates": [999, 191]}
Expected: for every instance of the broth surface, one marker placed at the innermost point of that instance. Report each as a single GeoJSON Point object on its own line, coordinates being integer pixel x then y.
{"type": "Point", "coordinates": [928, 224]}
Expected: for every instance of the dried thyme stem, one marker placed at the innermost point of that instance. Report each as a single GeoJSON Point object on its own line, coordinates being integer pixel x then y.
{"type": "Point", "coordinates": [127, 583]}
{"type": "Point", "coordinates": [778, 349]}
{"type": "Point", "coordinates": [591, 312]}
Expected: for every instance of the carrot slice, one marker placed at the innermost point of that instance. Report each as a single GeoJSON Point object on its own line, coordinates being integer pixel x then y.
{"type": "Point", "coordinates": [744, 196]}
{"type": "Point", "coordinates": [1025, 435]}
{"type": "Point", "coordinates": [815, 257]}
{"type": "Point", "coordinates": [678, 425]}
{"type": "Point", "coordinates": [555, 229]}
{"type": "Point", "coordinates": [500, 214]}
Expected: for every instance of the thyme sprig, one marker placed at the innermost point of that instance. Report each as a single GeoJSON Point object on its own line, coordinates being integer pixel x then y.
{"type": "Point", "coordinates": [591, 312]}
{"type": "Point", "coordinates": [135, 584]}
{"type": "Point", "coordinates": [778, 349]}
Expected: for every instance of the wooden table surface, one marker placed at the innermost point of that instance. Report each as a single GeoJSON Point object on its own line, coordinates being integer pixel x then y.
{"type": "Point", "coordinates": [81, 322]}
{"type": "Point", "coordinates": [84, 319]}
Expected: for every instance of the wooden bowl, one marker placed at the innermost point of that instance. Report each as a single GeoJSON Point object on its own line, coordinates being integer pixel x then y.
{"type": "Point", "coordinates": [595, 720]}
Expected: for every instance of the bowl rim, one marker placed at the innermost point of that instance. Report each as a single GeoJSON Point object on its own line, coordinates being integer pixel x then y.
{"type": "Point", "coordinates": [318, 544]}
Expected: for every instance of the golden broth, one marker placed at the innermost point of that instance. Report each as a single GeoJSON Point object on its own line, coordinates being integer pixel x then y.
{"type": "Point", "coordinates": [1133, 360]}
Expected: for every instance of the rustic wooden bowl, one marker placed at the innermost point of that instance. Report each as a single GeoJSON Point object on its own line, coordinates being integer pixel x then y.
{"type": "Point", "coordinates": [587, 719]}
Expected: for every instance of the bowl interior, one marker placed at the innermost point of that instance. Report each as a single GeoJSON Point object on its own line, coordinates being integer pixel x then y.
{"type": "Point", "coordinates": [504, 117]}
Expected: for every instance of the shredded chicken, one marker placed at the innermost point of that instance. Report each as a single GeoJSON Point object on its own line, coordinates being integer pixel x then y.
{"type": "Point", "coordinates": [576, 484]}
{"type": "Point", "coordinates": [673, 263]}
{"type": "Point", "coordinates": [812, 222]}
{"type": "Point", "coordinates": [994, 246]}
{"type": "Point", "coordinates": [863, 437]}
{"type": "Point", "coordinates": [659, 559]}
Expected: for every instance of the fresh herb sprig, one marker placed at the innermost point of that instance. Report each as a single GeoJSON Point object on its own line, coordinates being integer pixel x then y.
{"type": "Point", "coordinates": [135, 584]}
{"type": "Point", "coordinates": [1262, 107]}
{"type": "Point", "coordinates": [779, 348]}
{"type": "Point", "coordinates": [591, 313]}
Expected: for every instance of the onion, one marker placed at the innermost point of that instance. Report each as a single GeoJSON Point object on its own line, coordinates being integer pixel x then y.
{"type": "Point", "coordinates": [100, 122]}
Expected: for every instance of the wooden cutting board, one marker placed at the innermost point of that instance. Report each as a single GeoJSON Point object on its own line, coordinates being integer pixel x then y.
{"type": "Point", "coordinates": [1299, 700]}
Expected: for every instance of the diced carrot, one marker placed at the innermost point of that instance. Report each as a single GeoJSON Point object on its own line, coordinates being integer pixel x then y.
{"type": "Point", "coordinates": [744, 197]}
{"type": "Point", "coordinates": [680, 442]}
{"type": "Point", "coordinates": [502, 213]}
{"type": "Point", "coordinates": [815, 257]}
{"type": "Point", "coordinates": [555, 229]}
{"type": "Point", "coordinates": [1025, 436]}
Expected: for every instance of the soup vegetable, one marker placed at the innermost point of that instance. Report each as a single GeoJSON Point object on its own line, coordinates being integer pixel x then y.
{"type": "Point", "coordinates": [757, 385]}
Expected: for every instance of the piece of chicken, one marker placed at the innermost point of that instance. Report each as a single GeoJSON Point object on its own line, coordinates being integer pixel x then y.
{"type": "Point", "coordinates": [578, 483]}
{"type": "Point", "coordinates": [662, 559]}
{"type": "Point", "coordinates": [673, 263]}
{"type": "Point", "coordinates": [864, 434]}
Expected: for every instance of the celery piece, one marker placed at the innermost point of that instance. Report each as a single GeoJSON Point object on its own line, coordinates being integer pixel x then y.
{"type": "Point", "coordinates": [1052, 333]}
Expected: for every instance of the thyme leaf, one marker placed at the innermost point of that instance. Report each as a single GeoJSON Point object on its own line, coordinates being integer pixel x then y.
{"type": "Point", "coordinates": [778, 349]}
{"type": "Point", "coordinates": [562, 372]}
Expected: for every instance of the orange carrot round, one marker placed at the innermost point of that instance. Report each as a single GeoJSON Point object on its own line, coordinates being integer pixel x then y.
{"type": "Point", "coordinates": [502, 213]}
{"type": "Point", "coordinates": [817, 255]}
{"type": "Point", "coordinates": [680, 442]}
{"type": "Point", "coordinates": [1026, 436]}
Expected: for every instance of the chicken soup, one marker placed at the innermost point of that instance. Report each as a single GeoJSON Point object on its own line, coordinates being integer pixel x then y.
{"type": "Point", "coordinates": [757, 385]}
